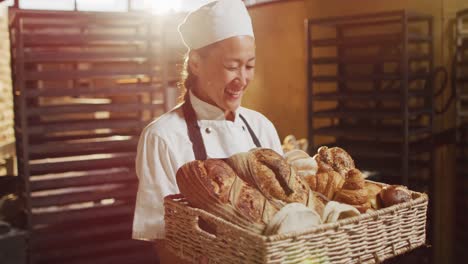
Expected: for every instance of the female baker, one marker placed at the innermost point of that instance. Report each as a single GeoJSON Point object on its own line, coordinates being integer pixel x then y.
{"type": "Point", "coordinates": [210, 123]}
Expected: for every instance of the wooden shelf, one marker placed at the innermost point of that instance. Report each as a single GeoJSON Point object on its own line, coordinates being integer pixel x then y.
{"type": "Point", "coordinates": [384, 132]}
{"type": "Point", "coordinates": [91, 108]}
{"type": "Point", "coordinates": [60, 197]}
{"type": "Point", "coordinates": [79, 179]}
{"type": "Point", "coordinates": [364, 96]}
{"type": "Point", "coordinates": [83, 56]}
{"type": "Point", "coordinates": [369, 113]}
{"type": "Point", "coordinates": [92, 91]}
{"type": "Point", "coordinates": [367, 59]}
{"type": "Point", "coordinates": [70, 216]}
{"type": "Point", "coordinates": [70, 74]}
{"type": "Point", "coordinates": [78, 125]}
{"type": "Point", "coordinates": [83, 39]}
{"type": "Point", "coordinates": [369, 77]}
{"type": "Point", "coordinates": [81, 163]}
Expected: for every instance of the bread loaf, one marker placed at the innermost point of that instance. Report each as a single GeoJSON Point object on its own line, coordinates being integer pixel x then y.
{"type": "Point", "coordinates": [213, 186]}
{"type": "Point", "coordinates": [394, 194]}
{"type": "Point", "coordinates": [326, 183]}
{"type": "Point", "coordinates": [269, 172]}
{"type": "Point", "coordinates": [353, 191]}
{"type": "Point", "coordinates": [334, 159]}
{"type": "Point", "coordinates": [249, 188]}
{"type": "Point", "coordinates": [339, 180]}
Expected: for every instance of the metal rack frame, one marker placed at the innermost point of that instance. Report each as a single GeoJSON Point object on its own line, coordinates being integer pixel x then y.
{"type": "Point", "coordinates": [461, 82]}
{"type": "Point", "coordinates": [370, 91]}
{"type": "Point", "coordinates": [85, 85]}
{"type": "Point", "coordinates": [388, 124]}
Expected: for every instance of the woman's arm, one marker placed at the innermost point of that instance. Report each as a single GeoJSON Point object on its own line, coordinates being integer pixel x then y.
{"type": "Point", "coordinates": [155, 167]}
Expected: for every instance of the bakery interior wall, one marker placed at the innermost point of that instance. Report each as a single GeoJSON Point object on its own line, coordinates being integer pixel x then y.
{"type": "Point", "coordinates": [279, 88]}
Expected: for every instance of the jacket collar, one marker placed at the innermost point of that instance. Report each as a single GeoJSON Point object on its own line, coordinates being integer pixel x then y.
{"type": "Point", "coordinates": [206, 111]}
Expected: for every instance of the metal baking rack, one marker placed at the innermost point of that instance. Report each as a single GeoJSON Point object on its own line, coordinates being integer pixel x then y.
{"type": "Point", "coordinates": [85, 85]}
{"type": "Point", "coordinates": [461, 81]}
{"type": "Point", "coordinates": [369, 92]}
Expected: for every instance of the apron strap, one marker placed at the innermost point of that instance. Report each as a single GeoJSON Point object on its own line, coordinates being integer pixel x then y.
{"type": "Point", "coordinates": [252, 134]}
{"type": "Point", "coordinates": [195, 135]}
{"type": "Point", "coordinates": [193, 130]}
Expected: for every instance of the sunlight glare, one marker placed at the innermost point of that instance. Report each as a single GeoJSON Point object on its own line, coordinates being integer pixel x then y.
{"type": "Point", "coordinates": [163, 6]}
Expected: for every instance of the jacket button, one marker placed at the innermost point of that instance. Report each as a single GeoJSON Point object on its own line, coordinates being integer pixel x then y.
{"type": "Point", "coordinates": [208, 130]}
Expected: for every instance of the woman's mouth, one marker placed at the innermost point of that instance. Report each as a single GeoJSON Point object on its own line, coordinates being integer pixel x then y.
{"type": "Point", "coordinates": [234, 94]}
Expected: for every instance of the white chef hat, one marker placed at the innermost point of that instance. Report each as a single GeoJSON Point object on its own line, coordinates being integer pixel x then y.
{"type": "Point", "coordinates": [214, 22]}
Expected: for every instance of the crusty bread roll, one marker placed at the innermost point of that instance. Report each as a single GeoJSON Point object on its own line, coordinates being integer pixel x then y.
{"type": "Point", "coordinates": [354, 180]}
{"type": "Point", "coordinates": [269, 172]}
{"type": "Point", "coordinates": [213, 186]}
{"type": "Point", "coordinates": [353, 191]}
{"type": "Point", "coordinates": [249, 188]}
{"type": "Point", "coordinates": [335, 159]}
{"type": "Point", "coordinates": [326, 183]}
{"type": "Point", "coordinates": [352, 197]}
{"type": "Point", "coordinates": [394, 194]}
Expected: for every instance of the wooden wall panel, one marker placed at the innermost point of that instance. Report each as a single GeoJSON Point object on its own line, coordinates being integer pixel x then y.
{"type": "Point", "coordinates": [278, 90]}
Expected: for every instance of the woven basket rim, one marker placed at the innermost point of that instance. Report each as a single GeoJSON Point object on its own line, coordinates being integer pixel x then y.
{"type": "Point", "coordinates": [179, 199]}
{"type": "Point", "coordinates": [421, 198]}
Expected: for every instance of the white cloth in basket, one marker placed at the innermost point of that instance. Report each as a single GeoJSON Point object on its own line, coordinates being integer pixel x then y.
{"type": "Point", "coordinates": [293, 217]}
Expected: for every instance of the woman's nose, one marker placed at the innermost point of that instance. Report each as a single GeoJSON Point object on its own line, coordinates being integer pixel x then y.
{"type": "Point", "coordinates": [242, 77]}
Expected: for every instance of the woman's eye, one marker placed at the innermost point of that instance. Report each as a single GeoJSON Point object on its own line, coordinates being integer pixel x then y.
{"type": "Point", "coordinates": [231, 68]}
{"type": "Point", "coordinates": [235, 68]}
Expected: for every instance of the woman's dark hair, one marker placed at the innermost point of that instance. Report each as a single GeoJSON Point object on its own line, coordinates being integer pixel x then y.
{"type": "Point", "coordinates": [188, 80]}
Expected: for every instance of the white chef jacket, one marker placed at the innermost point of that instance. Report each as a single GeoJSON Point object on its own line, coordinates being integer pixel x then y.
{"type": "Point", "coordinates": [164, 146]}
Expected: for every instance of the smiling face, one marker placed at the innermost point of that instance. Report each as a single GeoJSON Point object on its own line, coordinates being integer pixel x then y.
{"type": "Point", "coordinates": [224, 72]}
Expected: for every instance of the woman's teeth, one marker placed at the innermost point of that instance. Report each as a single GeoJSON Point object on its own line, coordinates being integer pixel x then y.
{"type": "Point", "coordinates": [234, 93]}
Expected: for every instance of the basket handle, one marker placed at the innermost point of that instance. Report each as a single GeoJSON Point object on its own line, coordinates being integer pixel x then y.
{"type": "Point", "coordinates": [205, 227]}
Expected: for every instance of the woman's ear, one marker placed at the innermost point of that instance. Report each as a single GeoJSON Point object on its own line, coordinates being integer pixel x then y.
{"type": "Point", "coordinates": [194, 63]}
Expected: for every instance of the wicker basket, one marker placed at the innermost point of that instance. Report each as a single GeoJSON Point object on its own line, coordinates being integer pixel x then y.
{"type": "Point", "coordinates": [368, 238]}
